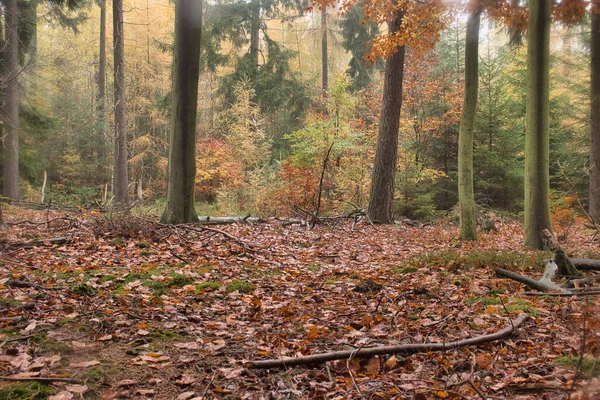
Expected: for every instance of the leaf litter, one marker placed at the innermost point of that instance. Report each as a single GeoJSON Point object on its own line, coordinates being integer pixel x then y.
{"type": "Point", "coordinates": [140, 310]}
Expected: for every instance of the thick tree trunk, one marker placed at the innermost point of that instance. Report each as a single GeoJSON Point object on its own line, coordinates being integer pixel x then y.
{"type": "Point", "coordinates": [466, 194]}
{"type": "Point", "coordinates": [381, 201]}
{"type": "Point", "coordinates": [324, 52]}
{"type": "Point", "coordinates": [101, 79]}
{"type": "Point", "coordinates": [255, 30]}
{"type": "Point", "coordinates": [595, 117]}
{"type": "Point", "coordinates": [182, 139]}
{"type": "Point", "coordinates": [11, 104]}
{"type": "Point", "coordinates": [121, 182]}
{"type": "Point", "coordinates": [537, 142]}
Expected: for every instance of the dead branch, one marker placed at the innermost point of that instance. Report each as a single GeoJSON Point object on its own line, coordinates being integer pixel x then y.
{"type": "Point", "coordinates": [545, 284]}
{"type": "Point", "coordinates": [395, 349]}
{"type": "Point", "coordinates": [586, 264]}
{"type": "Point", "coordinates": [229, 220]}
{"type": "Point", "coordinates": [40, 379]}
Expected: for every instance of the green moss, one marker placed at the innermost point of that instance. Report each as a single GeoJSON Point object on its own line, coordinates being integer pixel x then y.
{"type": "Point", "coordinates": [180, 280]}
{"type": "Point", "coordinates": [51, 346]}
{"type": "Point", "coordinates": [101, 372]}
{"type": "Point", "coordinates": [522, 305]}
{"type": "Point", "coordinates": [26, 391]}
{"type": "Point", "coordinates": [314, 267]}
{"type": "Point", "coordinates": [118, 242]}
{"type": "Point", "coordinates": [84, 289]}
{"type": "Point", "coordinates": [588, 365]}
{"type": "Point", "coordinates": [405, 270]}
{"type": "Point", "coordinates": [413, 317]}
{"type": "Point", "coordinates": [240, 286]}
{"type": "Point", "coordinates": [330, 282]}
{"type": "Point", "coordinates": [142, 245]}
{"type": "Point", "coordinates": [208, 285]}
{"type": "Point", "coordinates": [148, 253]}
{"type": "Point", "coordinates": [483, 300]}
{"type": "Point", "coordinates": [7, 302]}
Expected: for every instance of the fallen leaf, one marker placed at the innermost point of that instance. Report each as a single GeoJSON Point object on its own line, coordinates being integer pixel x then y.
{"type": "Point", "coordinates": [64, 395]}
{"type": "Point", "coordinates": [186, 395]}
{"type": "Point", "coordinates": [80, 389]}
{"type": "Point", "coordinates": [84, 364]}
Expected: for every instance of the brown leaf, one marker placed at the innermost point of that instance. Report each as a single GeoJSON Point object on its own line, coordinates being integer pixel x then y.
{"type": "Point", "coordinates": [84, 364]}
{"type": "Point", "coordinates": [186, 395]}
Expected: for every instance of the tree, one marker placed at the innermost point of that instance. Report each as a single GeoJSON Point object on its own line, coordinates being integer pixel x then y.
{"type": "Point", "coordinates": [101, 78]}
{"type": "Point", "coordinates": [381, 199]}
{"type": "Point", "coordinates": [466, 195]}
{"type": "Point", "coordinates": [11, 103]}
{"type": "Point", "coordinates": [324, 51]}
{"type": "Point", "coordinates": [420, 28]}
{"type": "Point", "coordinates": [121, 179]}
{"type": "Point", "coordinates": [181, 173]}
{"type": "Point", "coordinates": [537, 140]}
{"type": "Point", "coordinates": [356, 34]}
{"type": "Point", "coordinates": [594, 206]}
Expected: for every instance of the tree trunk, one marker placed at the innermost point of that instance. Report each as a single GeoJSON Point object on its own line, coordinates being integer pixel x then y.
{"type": "Point", "coordinates": [181, 173]}
{"type": "Point", "coordinates": [11, 104]}
{"type": "Point", "coordinates": [466, 195]}
{"type": "Point", "coordinates": [381, 200]}
{"type": "Point", "coordinates": [121, 186]}
{"type": "Point", "coordinates": [537, 142]}
{"type": "Point", "coordinates": [254, 30]}
{"type": "Point", "coordinates": [324, 51]}
{"type": "Point", "coordinates": [595, 117]}
{"type": "Point", "coordinates": [100, 100]}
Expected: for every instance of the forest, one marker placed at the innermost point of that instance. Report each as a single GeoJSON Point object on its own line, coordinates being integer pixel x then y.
{"type": "Point", "coordinates": [279, 199]}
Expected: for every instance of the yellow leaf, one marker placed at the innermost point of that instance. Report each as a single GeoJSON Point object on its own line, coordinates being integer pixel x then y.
{"type": "Point", "coordinates": [313, 331]}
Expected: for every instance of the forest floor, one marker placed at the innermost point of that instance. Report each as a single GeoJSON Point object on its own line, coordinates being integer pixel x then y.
{"type": "Point", "coordinates": [128, 308]}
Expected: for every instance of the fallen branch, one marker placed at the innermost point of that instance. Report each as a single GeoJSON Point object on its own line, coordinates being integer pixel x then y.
{"type": "Point", "coordinates": [40, 379]}
{"type": "Point", "coordinates": [586, 264]}
{"type": "Point", "coordinates": [545, 284]}
{"type": "Point", "coordinates": [397, 349]}
{"type": "Point", "coordinates": [228, 220]}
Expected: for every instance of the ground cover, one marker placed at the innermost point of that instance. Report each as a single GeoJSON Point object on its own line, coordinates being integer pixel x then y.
{"type": "Point", "coordinates": [122, 307]}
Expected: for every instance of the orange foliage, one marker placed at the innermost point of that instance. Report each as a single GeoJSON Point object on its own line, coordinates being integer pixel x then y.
{"type": "Point", "coordinates": [299, 185]}
{"type": "Point", "coordinates": [214, 167]}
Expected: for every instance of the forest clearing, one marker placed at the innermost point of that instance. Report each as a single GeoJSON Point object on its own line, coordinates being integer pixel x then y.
{"type": "Point", "coordinates": [123, 307]}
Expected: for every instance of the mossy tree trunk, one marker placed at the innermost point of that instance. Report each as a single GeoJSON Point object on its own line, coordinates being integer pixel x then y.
{"type": "Point", "coordinates": [466, 194]}
{"type": "Point", "coordinates": [10, 140]}
{"type": "Point", "coordinates": [121, 176]}
{"type": "Point", "coordinates": [381, 200]}
{"type": "Point", "coordinates": [595, 117]}
{"type": "Point", "coordinates": [181, 174]}
{"type": "Point", "coordinates": [101, 80]}
{"type": "Point", "coordinates": [537, 141]}
{"type": "Point", "coordinates": [324, 52]}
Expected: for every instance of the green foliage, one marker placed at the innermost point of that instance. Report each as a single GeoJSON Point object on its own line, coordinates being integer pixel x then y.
{"type": "Point", "coordinates": [179, 280]}
{"type": "Point", "coordinates": [588, 365]}
{"type": "Point", "coordinates": [239, 286]}
{"type": "Point", "coordinates": [478, 259]}
{"type": "Point", "coordinates": [483, 300]}
{"type": "Point", "coordinates": [357, 33]}
{"type": "Point", "coordinates": [26, 391]}
{"type": "Point", "coordinates": [406, 270]}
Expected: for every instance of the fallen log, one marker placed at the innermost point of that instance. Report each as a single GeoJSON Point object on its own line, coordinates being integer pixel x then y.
{"type": "Point", "coordinates": [586, 264]}
{"type": "Point", "coordinates": [395, 349]}
{"type": "Point", "coordinates": [207, 220]}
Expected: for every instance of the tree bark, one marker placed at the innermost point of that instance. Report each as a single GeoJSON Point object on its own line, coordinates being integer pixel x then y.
{"type": "Point", "coordinates": [537, 141]}
{"type": "Point", "coordinates": [121, 178]}
{"type": "Point", "coordinates": [324, 52]}
{"type": "Point", "coordinates": [11, 103]}
{"type": "Point", "coordinates": [595, 117]}
{"type": "Point", "coordinates": [381, 200]}
{"type": "Point", "coordinates": [101, 79]}
{"type": "Point", "coordinates": [254, 30]}
{"type": "Point", "coordinates": [182, 139]}
{"type": "Point", "coordinates": [466, 194]}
